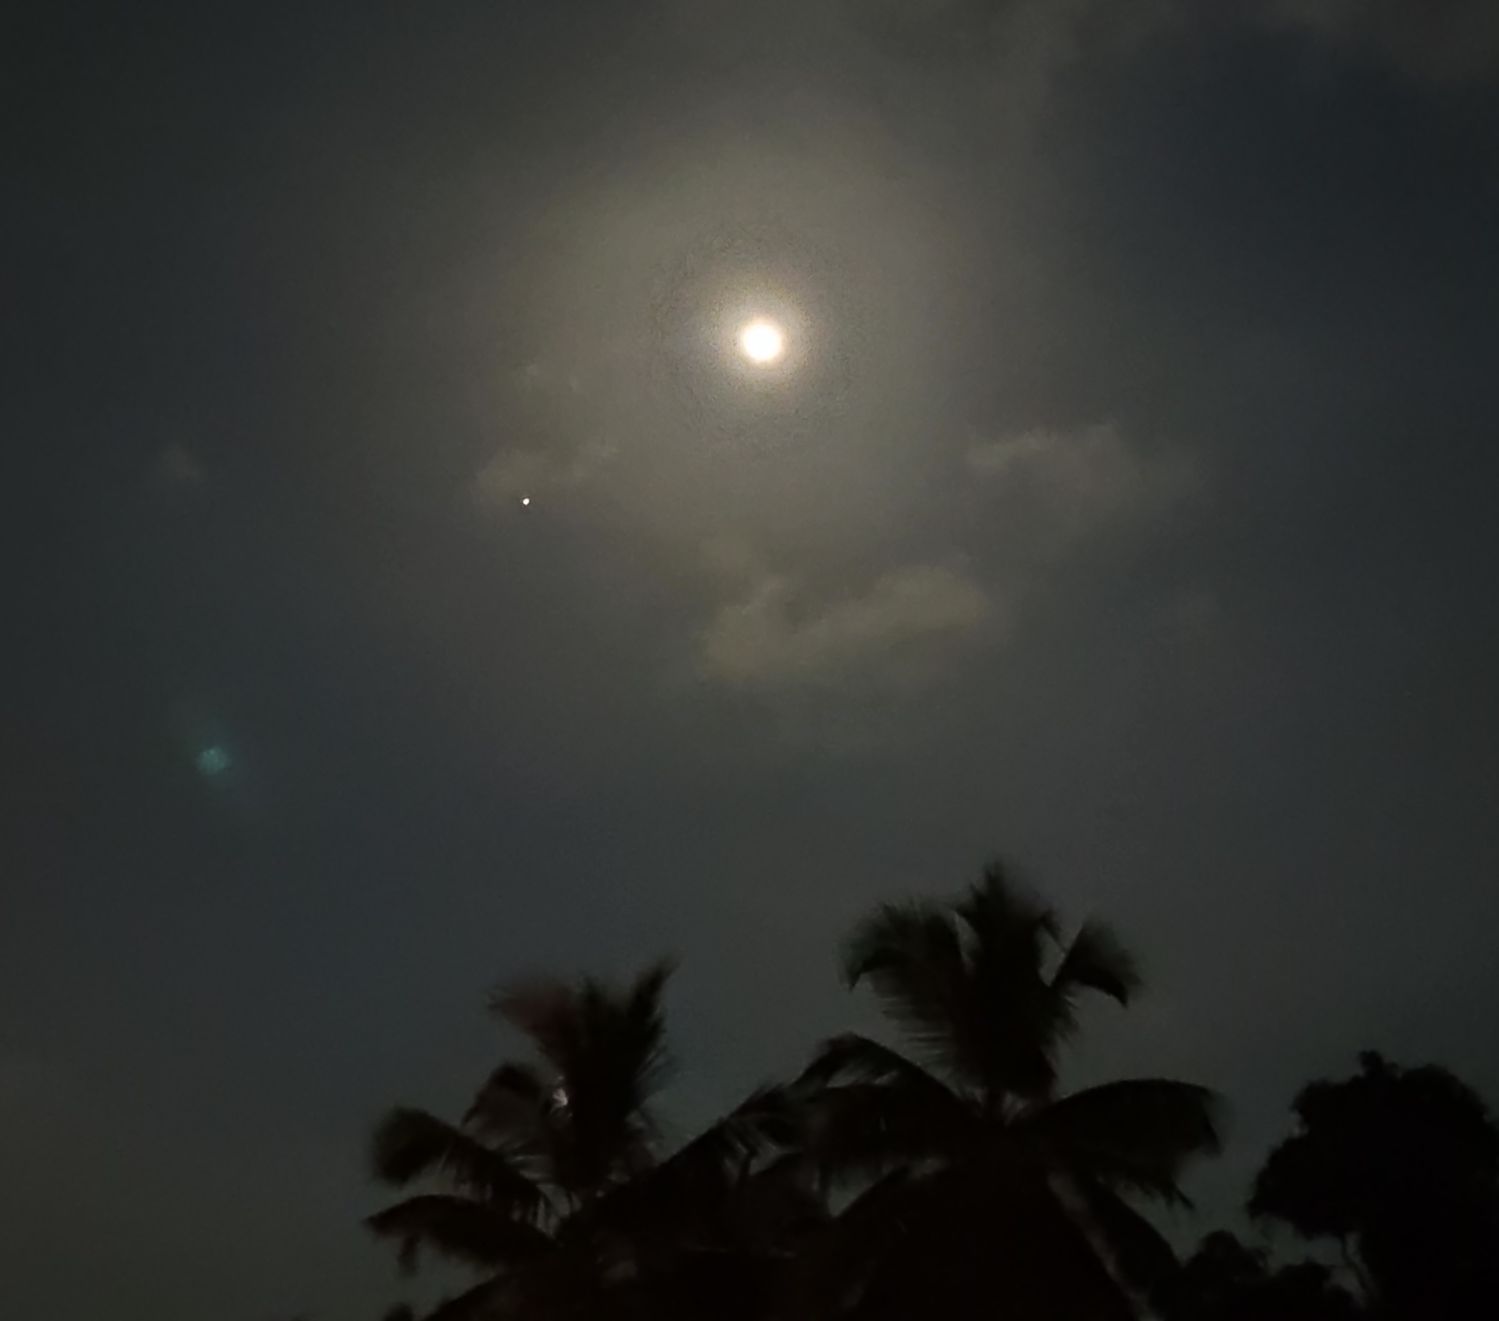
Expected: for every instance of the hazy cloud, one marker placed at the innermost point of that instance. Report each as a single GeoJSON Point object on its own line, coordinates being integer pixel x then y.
{"type": "Point", "coordinates": [1067, 484]}
{"type": "Point", "coordinates": [1058, 488]}
{"type": "Point", "coordinates": [1033, 41]}
{"type": "Point", "coordinates": [1444, 40]}
{"type": "Point", "coordinates": [893, 631]}
{"type": "Point", "coordinates": [177, 468]}
{"type": "Point", "coordinates": [28, 1086]}
{"type": "Point", "coordinates": [1441, 40]}
{"type": "Point", "coordinates": [512, 475]}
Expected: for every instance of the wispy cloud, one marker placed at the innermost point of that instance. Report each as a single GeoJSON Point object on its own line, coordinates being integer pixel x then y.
{"type": "Point", "coordinates": [1440, 40]}
{"type": "Point", "coordinates": [1068, 484]}
{"type": "Point", "coordinates": [1061, 491]}
{"type": "Point", "coordinates": [512, 475]}
{"type": "Point", "coordinates": [177, 468]}
{"type": "Point", "coordinates": [894, 631]}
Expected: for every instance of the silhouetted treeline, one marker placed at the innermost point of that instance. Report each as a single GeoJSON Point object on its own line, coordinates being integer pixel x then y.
{"type": "Point", "coordinates": [943, 1172]}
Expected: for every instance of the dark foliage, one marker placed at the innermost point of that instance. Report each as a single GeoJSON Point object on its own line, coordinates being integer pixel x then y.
{"type": "Point", "coordinates": [553, 1187]}
{"type": "Point", "coordinates": [1226, 1281]}
{"type": "Point", "coordinates": [959, 1179]}
{"type": "Point", "coordinates": [980, 1180]}
{"type": "Point", "coordinates": [1401, 1167]}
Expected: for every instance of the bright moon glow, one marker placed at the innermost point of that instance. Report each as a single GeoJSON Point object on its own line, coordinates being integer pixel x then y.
{"type": "Point", "coordinates": [525, 499]}
{"type": "Point", "coordinates": [762, 342]}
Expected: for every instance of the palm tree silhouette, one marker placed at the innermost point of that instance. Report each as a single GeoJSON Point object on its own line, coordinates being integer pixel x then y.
{"type": "Point", "coordinates": [976, 1184]}
{"type": "Point", "coordinates": [553, 1186]}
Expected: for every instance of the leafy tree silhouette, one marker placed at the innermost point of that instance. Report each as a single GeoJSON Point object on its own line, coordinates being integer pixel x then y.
{"type": "Point", "coordinates": [1224, 1280]}
{"type": "Point", "coordinates": [1401, 1168]}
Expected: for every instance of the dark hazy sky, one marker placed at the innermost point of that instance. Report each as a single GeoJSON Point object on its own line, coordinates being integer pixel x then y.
{"type": "Point", "coordinates": [1126, 505]}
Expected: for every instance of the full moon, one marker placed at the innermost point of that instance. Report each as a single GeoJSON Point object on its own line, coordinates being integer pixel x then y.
{"type": "Point", "coordinates": [762, 341]}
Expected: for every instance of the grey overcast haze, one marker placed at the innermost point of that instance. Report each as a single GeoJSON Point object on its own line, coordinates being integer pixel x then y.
{"type": "Point", "coordinates": [411, 586]}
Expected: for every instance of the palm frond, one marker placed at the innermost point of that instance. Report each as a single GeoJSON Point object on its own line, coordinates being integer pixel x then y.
{"type": "Point", "coordinates": [637, 1030]}
{"type": "Point", "coordinates": [562, 1021]}
{"type": "Point", "coordinates": [507, 1106]}
{"type": "Point", "coordinates": [1010, 935]}
{"type": "Point", "coordinates": [1003, 913]}
{"type": "Point", "coordinates": [480, 1303]}
{"type": "Point", "coordinates": [459, 1228]}
{"type": "Point", "coordinates": [1138, 1134]}
{"type": "Point", "coordinates": [852, 1057]}
{"type": "Point", "coordinates": [545, 1011]}
{"type": "Point", "coordinates": [607, 1049]}
{"type": "Point", "coordinates": [897, 934]}
{"type": "Point", "coordinates": [1097, 960]}
{"type": "Point", "coordinates": [617, 1065]}
{"type": "Point", "coordinates": [911, 955]}
{"type": "Point", "coordinates": [764, 1121]}
{"type": "Point", "coordinates": [694, 1185]}
{"type": "Point", "coordinates": [1133, 1248]}
{"type": "Point", "coordinates": [868, 1109]}
{"type": "Point", "coordinates": [835, 1263]}
{"type": "Point", "coordinates": [778, 1206]}
{"type": "Point", "coordinates": [409, 1143]}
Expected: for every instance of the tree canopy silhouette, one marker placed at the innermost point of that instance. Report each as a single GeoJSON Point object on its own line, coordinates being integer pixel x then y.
{"type": "Point", "coordinates": [554, 1187]}
{"type": "Point", "coordinates": [1225, 1280]}
{"type": "Point", "coordinates": [975, 1177]}
{"type": "Point", "coordinates": [1400, 1167]}
{"type": "Point", "coordinates": [948, 1171]}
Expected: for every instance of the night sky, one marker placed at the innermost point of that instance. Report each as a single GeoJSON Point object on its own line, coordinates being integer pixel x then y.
{"type": "Point", "coordinates": [1124, 503]}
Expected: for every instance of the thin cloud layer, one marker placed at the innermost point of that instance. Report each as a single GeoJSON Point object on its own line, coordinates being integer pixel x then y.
{"type": "Point", "coordinates": [177, 468]}
{"type": "Point", "coordinates": [1069, 484]}
{"type": "Point", "coordinates": [1061, 493]}
{"type": "Point", "coordinates": [895, 630]}
{"type": "Point", "coordinates": [512, 475]}
{"type": "Point", "coordinates": [1441, 40]}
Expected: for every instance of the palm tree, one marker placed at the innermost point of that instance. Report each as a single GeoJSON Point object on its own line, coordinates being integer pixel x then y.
{"type": "Point", "coordinates": [553, 1187]}
{"type": "Point", "coordinates": [975, 1182]}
